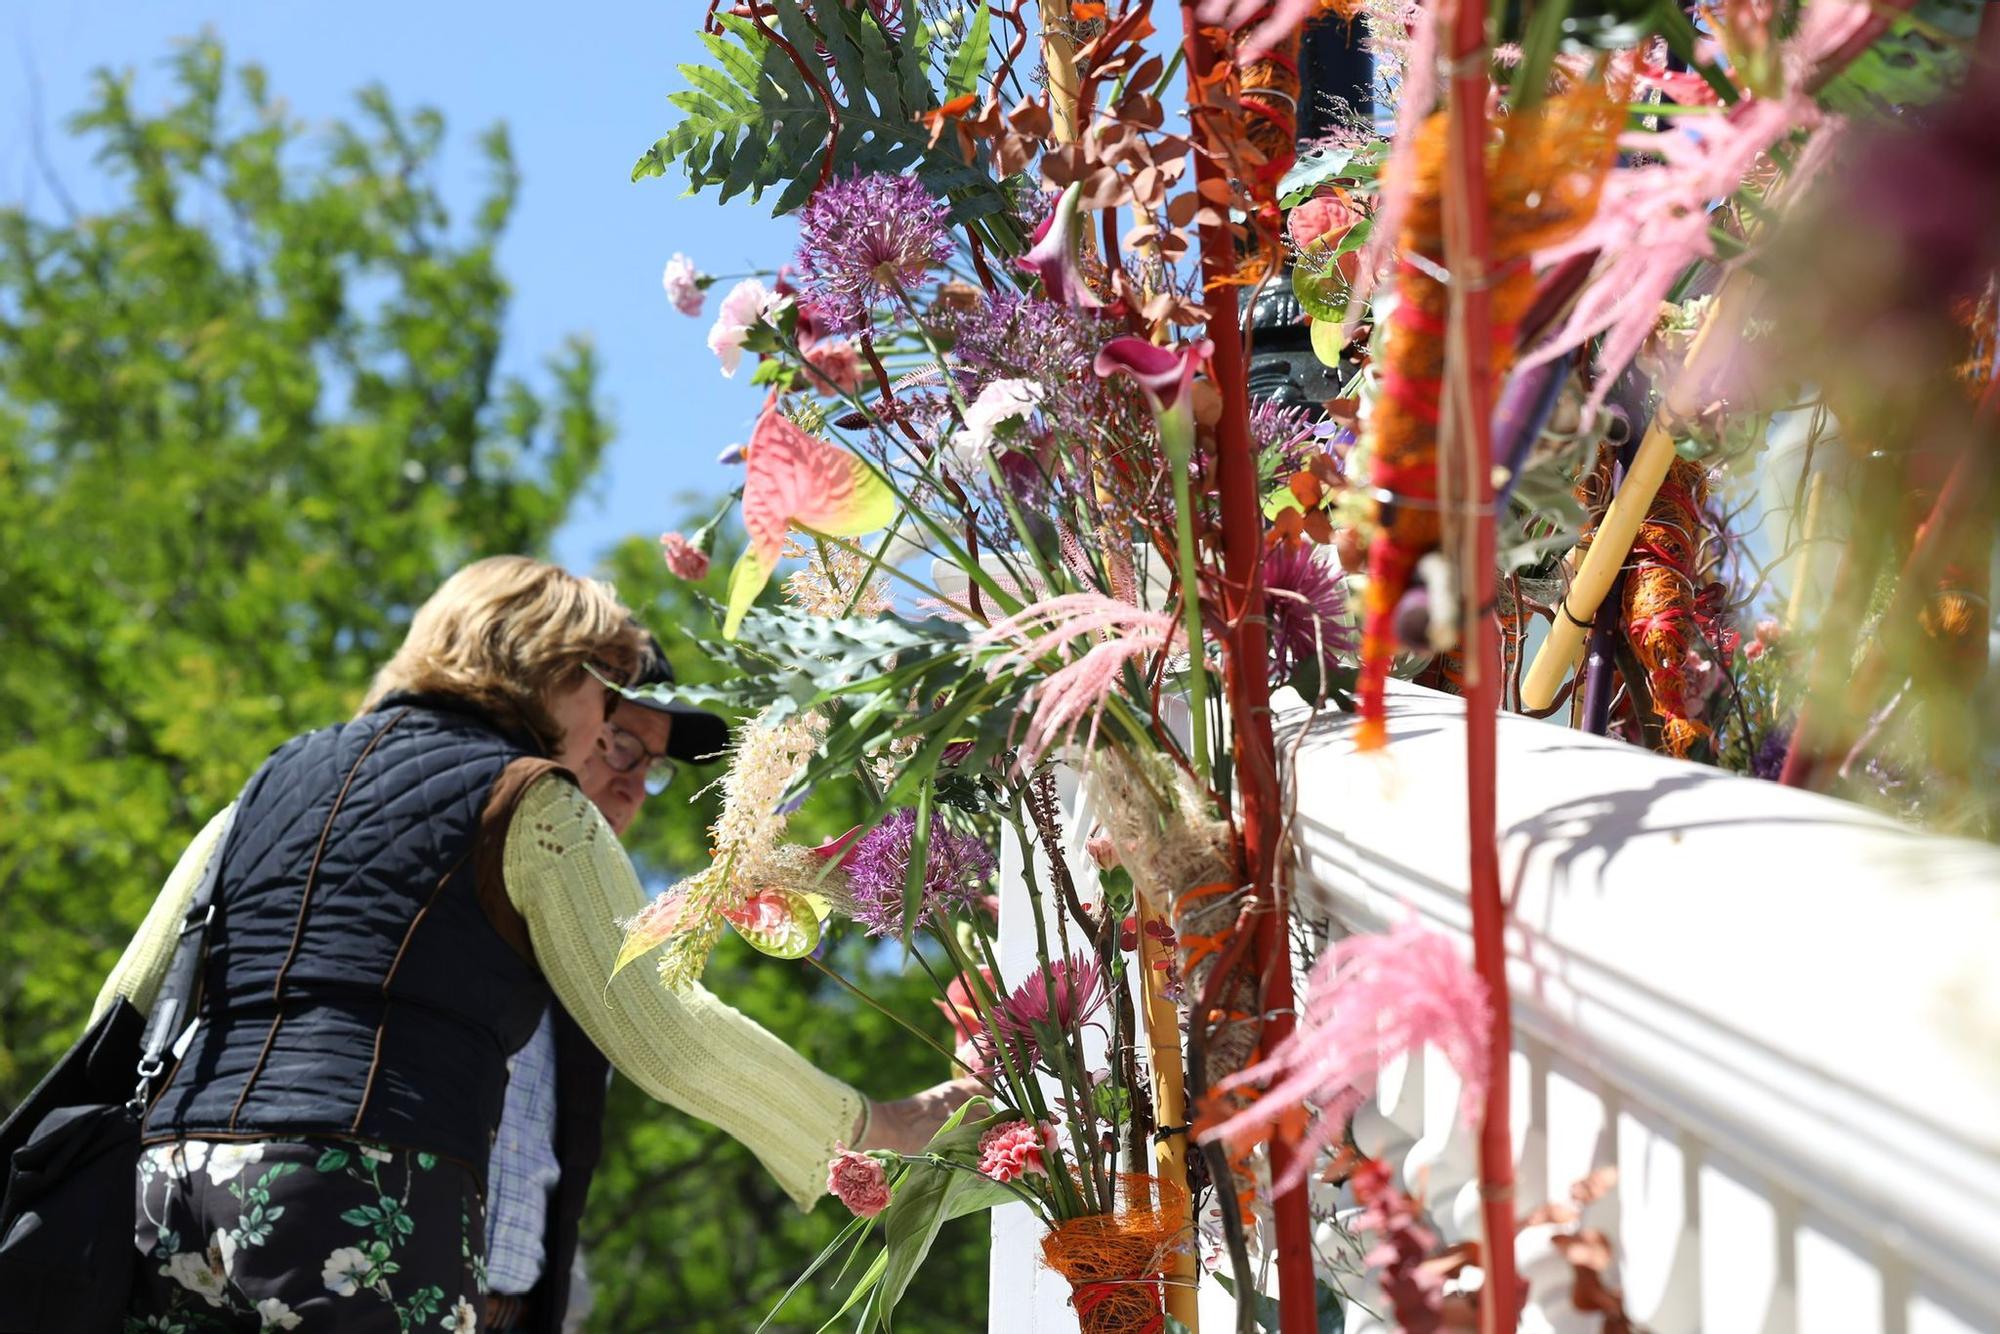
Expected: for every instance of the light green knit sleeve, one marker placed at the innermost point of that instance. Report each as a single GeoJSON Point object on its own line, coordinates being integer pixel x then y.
{"type": "Point", "coordinates": [143, 966]}
{"type": "Point", "coordinates": [569, 878]}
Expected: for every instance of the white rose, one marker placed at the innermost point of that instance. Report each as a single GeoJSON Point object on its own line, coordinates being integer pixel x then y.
{"type": "Point", "coordinates": [226, 1160]}
{"type": "Point", "coordinates": [345, 1271]}
{"type": "Point", "coordinates": [194, 1271]}
{"type": "Point", "coordinates": [276, 1315]}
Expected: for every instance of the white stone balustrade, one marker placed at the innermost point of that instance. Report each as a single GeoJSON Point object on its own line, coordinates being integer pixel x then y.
{"type": "Point", "coordinates": [1775, 1014]}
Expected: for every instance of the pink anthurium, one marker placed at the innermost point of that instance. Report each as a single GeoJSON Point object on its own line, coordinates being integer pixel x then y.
{"type": "Point", "coordinates": [1054, 258]}
{"type": "Point", "coordinates": [780, 922]}
{"type": "Point", "coordinates": [797, 480]}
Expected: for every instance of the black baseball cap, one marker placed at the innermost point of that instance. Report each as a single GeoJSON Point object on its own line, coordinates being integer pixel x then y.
{"type": "Point", "coordinates": [698, 736]}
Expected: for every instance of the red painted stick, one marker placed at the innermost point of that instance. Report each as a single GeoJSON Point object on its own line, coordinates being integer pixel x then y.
{"type": "Point", "coordinates": [1470, 250]}
{"type": "Point", "coordinates": [1248, 682]}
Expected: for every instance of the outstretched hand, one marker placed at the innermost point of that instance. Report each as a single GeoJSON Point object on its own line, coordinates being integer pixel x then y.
{"type": "Point", "coordinates": [906, 1125]}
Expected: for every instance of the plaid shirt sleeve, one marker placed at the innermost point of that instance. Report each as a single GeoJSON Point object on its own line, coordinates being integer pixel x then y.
{"type": "Point", "coordinates": [523, 1170]}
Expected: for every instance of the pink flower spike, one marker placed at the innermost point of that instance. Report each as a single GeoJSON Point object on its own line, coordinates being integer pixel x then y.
{"type": "Point", "coordinates": [1054, 256]}
{"type": "Point", "coordinates": [1371, 999]}
{"type": "Point", "coordinates": [859, 1181]}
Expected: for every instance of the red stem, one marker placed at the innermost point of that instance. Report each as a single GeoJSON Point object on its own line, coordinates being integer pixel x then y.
{"type": "Point", "coordinates": [1498, 1299]}
{"type": "Point", "coordinates": [1249, 689]}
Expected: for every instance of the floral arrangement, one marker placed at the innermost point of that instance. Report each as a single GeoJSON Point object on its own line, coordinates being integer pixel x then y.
{"type": "Point", "coordinates": [1037, 526]}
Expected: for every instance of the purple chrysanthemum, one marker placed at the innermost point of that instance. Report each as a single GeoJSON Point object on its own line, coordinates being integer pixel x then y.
{"type": "Point", "coordinates": [1282, 434]}
{"type": "Point", "coordinates": [864, 238]}
{"type": "Point", "coordinates": [1305, 604]}
{"type": "Point", "coordinates": [955, 870]}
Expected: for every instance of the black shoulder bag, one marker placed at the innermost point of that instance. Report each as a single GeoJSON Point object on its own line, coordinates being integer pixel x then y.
{"type": "Point", "coordinates": [71, 1153]}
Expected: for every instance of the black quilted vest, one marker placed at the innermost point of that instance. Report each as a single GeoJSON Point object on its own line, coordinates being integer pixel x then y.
{"type": "Point", "coordinates": [366, 976]}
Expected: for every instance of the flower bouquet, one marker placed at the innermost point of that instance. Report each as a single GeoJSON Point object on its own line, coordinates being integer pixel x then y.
{"type": "Point", "coordinates": [1034, 524]}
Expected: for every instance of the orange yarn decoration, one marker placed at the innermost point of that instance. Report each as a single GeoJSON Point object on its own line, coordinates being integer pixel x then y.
{"type": "Point", "coordinates": [1271, 97]}
{"type": "Point", "coordinates": [1662, 601]}
{"type": "Point", "coordinates": [1116, 1262]}
{"type": "Point", "coordinates": [1545, 169]}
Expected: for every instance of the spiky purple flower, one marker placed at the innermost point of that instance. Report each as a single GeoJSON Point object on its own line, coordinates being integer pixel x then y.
{"type": "Point", "coordinates": [1769, 761]}
{"type": "Point", "coordinates": [1282, 439]}
{"type": "Point", "coordinates": [955, 870]}
{"type": "Point", "coordinates": [864, 238]}
{"type": "Point", "coordinates": [1305, 604]}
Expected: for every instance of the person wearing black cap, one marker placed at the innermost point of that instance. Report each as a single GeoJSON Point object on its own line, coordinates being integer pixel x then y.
{"type": "Point", "coordinates": [552, 1122]}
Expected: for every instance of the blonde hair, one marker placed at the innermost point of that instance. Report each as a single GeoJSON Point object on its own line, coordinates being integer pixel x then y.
{"type": "Point", "coordinates": [505, 633]}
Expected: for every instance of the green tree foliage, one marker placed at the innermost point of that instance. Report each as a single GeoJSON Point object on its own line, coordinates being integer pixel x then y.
{"type": "Point", "coordinates": [250, 416]}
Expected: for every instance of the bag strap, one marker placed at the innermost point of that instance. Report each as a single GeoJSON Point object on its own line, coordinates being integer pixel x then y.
{"type": "Point", "coordinates": [177, 989]}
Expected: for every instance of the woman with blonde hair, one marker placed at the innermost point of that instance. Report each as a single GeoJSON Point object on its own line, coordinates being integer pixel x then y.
{"type": "Point", "coordinates": [393, 903]}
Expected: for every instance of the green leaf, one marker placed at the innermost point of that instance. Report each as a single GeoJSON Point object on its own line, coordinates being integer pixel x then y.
{"type": "Point", "coordinates": [1326, 342]}
{"type": "Point", "coordinates": [969, 61]}
{"type": "Point", "coordinates": [333, 1160]}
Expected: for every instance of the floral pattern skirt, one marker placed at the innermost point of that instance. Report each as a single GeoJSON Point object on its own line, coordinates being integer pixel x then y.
{"type": "Point", "coordinates": [306, 1235]}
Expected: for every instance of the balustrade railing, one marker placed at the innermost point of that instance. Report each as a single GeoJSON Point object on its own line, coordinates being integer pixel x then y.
{"type": "Point", "coordinates": [1776, 1015]}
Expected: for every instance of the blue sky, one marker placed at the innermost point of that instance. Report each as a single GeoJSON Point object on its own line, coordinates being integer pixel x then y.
{"type": "Point", "coordinates": [583, 92]}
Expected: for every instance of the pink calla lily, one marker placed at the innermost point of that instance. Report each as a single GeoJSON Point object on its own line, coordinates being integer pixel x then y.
{"type": "Point", "coordinates": [1054, 258]}
{"type": "Point", "coordinates": [1166, 377]}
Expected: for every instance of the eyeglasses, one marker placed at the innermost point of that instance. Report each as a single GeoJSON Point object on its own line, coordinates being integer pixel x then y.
{"type": "Point", "coordinates": [625, 752]}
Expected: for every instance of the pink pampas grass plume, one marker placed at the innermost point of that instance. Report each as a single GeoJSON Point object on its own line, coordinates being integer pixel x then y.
{"type": "Point", "coordinates": [1370, 1000]}
{"type": "Point", "coordinates": [1077, 691]}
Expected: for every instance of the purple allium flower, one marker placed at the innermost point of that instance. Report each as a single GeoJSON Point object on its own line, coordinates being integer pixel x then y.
{"type": "Point", "coordinates": [1014, 337]}
{"type": "Point", "coordinates": [1282, 439]}
{"type": "Point", "coordinates": [1769, 761]}
{"type": "Point", "coordinates": [862, 238]}
{"type": "Point", "coordinates": [954, 871]}
{"type": "Point", "coordinates": [1306, 607]}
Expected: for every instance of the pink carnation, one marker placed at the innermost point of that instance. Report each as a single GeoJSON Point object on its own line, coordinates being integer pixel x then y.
{"type": "Point", "coordinates": [684, 558]}
{"type": "Point", "coordinates": [859, 1181]}
{"type": "Point", "coordinates": [1017, 1149]}
{"type": "Point", "coordinates": [683, 283]}
{"type": "Point", "coordinates": [835, 366]}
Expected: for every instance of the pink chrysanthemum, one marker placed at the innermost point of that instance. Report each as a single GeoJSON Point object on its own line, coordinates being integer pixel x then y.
{"type": "Point", "coordinates": [956, 868]}
{"type": "Point", "coordinates": [1017, 1149]}
{"type": "Point", "coordinates": [859, 1181]}
{"type": "Point", "coordinates": [863, 239]}
{"type": "Point", "coordinates": [1305, 604]}
{"type": "Point", "coordinates": [684, 559]}
{"type": "Point", "coordinates": [1061, 997]}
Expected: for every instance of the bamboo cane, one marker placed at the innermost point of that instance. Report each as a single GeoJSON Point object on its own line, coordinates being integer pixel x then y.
{"type": "Point", "coordinates": [1627, 511]}
{"type": "Point", "coordinates": [1163, 1041]}
{"type": "Point", "coordinates": [1059, 54]}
